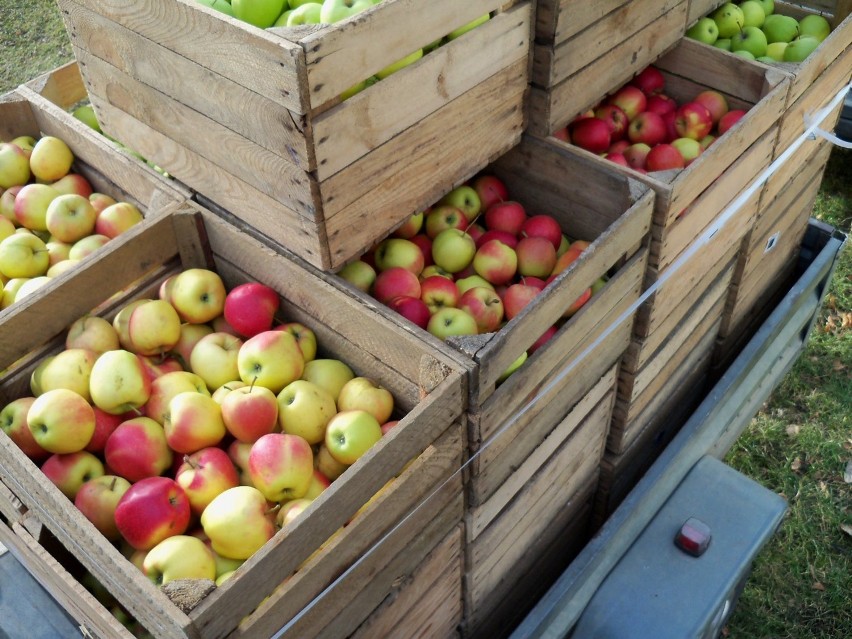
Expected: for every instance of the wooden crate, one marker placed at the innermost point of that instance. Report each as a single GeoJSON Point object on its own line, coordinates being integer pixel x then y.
{"type": "Point", "coordinates": [512, 536]}
{"type": "Point", "coordinates": [700, 8]}
{"type": "Point", "coordinates": [583, 49]}
{"type": "Point", "coordinates": [770, 253]}
{"type": "Point", "coordinates": [429, 391]}
{"type": "Point", "coordinates": [608, 209]}
{"type": "Point", "coordinates": [680, 214]}
{"type": "Point", "coordinates": [252, 120]}
{"type": "Point", "coordinates": [117, 175]}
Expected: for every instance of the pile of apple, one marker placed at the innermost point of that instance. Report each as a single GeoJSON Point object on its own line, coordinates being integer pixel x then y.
{"type": "Point", "coordinates": [753, 30]}
{"type": "Point", "coordinates": [641, 127]}
{"type": "Point", "coordinates": [468, 264]}
{"type": "Point", "coordinates": [193, 426]}
{"type": "Point", "coordinates": [293, 13]}
{"type": "Point", "coordinates": [50, 217]}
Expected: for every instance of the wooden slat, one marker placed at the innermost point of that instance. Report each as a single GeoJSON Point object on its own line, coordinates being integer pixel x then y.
{"type": "Point", "coordinates": [62, 86]}
{"type": "Point", "coordinates": [557, 20]}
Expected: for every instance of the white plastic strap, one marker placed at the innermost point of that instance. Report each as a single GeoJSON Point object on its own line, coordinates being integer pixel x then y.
{"type": "Point", "coordinates": [697, 245]}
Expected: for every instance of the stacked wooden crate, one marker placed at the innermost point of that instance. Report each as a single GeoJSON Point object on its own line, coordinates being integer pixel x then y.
{"type": "Point", "coordinates": [768, 256]}
{"type": "Point", "coordinates": [252, 119]}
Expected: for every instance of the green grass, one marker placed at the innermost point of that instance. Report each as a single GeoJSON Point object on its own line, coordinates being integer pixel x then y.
{"type": "Point", "coordinates": [798, 445]}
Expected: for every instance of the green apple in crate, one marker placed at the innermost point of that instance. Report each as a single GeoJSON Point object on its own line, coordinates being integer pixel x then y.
{"type": "Point", "coordinates": [729, 19]}
{"type": "Point", "coordinates": [753, 13]}
{"type": "Point", "coordinates": [750, 39]}
{"type": "Point", "coordinates": [800, 48]}
{"type": "Point", "coordinates": [780, 28]}
{"type": "Point", "coordinates": [260, 13]}
{"type": "Point", "coordinates": [336, 10]}
{"type": "Point", "coordinates": [179, 557]}
{"type": "Point", "coordinates": [815, 26]}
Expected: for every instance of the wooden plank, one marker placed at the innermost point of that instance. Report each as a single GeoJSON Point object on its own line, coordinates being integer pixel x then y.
{"type": "Point", "coordinates": [557, 20]}
{"type": "Point", "coordinates": [63, 86]}
{"type": "Point", "coordinates": [393, 34]}
{"type": "Point", "coordinates": [700, 8]}
{"type": "Point", "coordinates": [265, 122]}
{"type": "Point", "coordinates": [365, 122]}
{"type": "Point", "coordinates": [234, 49]}
{"type": "Point", "coordinates": [368, 199]}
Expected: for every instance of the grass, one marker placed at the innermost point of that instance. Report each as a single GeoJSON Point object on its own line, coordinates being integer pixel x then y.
{"type": "Point", "coordinates": [798, 445]}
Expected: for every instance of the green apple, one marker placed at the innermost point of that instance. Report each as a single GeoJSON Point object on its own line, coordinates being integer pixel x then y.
{"type": "Point", "coordinates": [450, 321]}
{"type": "Point", "coordinates": [198, 295]}
{"type": "Point", "coordinates": [308, 13]}
{"type": "Point", "coordinates": [743, 53]}
{"type": "Point", "coordinates": [86, 115]}
{"type": "Point", "coordinates": [118, 382]}
{"type": "Point", "coordinates": [723, 43]}
{"type": "Point", "coordinates": [214, 357]}
{"type": "Point", "coordinates": [466, 199]}
{"type": "Point", "coordinates": [237, 522]}
{"type": "Point", "coordinates": [363, 393]}
{"type": "Point", "coordinates": [753, 13]}
{"type": "Point", "coordinates": [815, 26]}
{"type": "Point", "coordinates": [775, 51]}
{"type": "Point", "coordinates": [153, 328]}
{"type": "Point", "coordinates": [750, 39]}
{"type": "Point", "coordinates": [304, 409]}
{"type": "Point", "coordinates": [179, 557]}
{"type": "Point", "coordinates": [359, 274]}
{"type": "Point", "coordinates": [768, 6]}
{"type": "Point", "coordinates": [23, 255]}
{"type": "Point", "coordinates": [329, 374]}
{"type": "Point", "coordinates": [260, 13]}
{"type": "Point", "coordinates": [282, 19]}
{"type": "Point", "coordinates": [705, 30]}
{"type": "Point", "coordinates": [411, 58]}
{"type": "Point", "coordinates": [395, 251]}
{"type": "Point", "coordinates": [513, 367]}
{"type": "Point", "coordinates": [61, 421]}
{"type": "Point", "coordinates": [455, 33]}
{"type": "Point", "coordinates": [295, 4]}
{"type": "Point", "coordinates": [780, 28]}
{"type": "Point", "coordinates": [51, 159]}
{"type": "Point", "coordinates": [796, 51]}
{"type": "Point", "coordinates": [729, 19]}
{"type": "Point", "coordinates": [337, 10]}
{"type": "Point", "coordinates": [350, 434]}
{"type": "Point", "coordinates": [453, 250]}
{"type": "Point", "coordinates": [219, 5]}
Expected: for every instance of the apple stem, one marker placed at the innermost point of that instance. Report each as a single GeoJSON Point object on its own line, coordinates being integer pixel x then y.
{"type": "Point", "coordinates": [274, 509]}
{"type": "Point", "coordinates": [187, 460]}
{"type": "Point", "coordinates": [251, 386]}
{"type": "Point", "coordinates": [112, 483]}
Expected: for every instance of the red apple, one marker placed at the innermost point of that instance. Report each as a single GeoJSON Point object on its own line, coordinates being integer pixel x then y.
{"type": "Point", "coordinates": [728, 120]}
{"type": "Point", "coordinates": [412, 308]}
{"type": "Point", "coordinates": [137, 448]}
{"type": "Point", "coordinates": [650, 80]}
{"type": "Point", "coordinates": [105, 424]}
{"type": "Point", "coordinates": [250, 412]}
{"type": "Point", "coordinates": [250, 308]}
{"type": "Point", "coordinates": [97, 500]}
{"type": "Point", "coordinates": [151, 510]}
{"type": "Point", "coordinates": [715, 102]}
{"type": "Point", "coordinates": [563, 134]}
{"type": "Point", "coordinates": [504, 236]}
{"type": "Point", "coordinates": [592, 134]}
{"type": "Point", "coordinates": [506, 216]}
{"type": "Point", "coordinates": [424, 243]}
{"type": "Point", "coordinates": [636, 154]}
{"type": "Point", "coordinates": [496, 262]}
{"type": "Point", "coordinates": [585, 296]}
{"type": "Point", "coordinates": [536, 256]}
{"type": "Point", "coordinates": [663, 157]}
{"type": "Point", "coordinates": [550, 332]}
{"type": "Point", "coordinates": [490, 189]}
{"type": "Point", "coordinates": [437, 292]}
{"type": "Point", "coordinates": [517, 297]}
{"type": "Point", "coordinates": [544, 226]}
{"type": "Point", "coordinates": [617, 158]}
{"type": "Point", "coordinates": [204, 475]}
{"type": "Point", "coordinates": [693, 120]}
{"type": "Point", "coordinates": [395, 282]}
{"type": "Point", "coordinates": [661, 104]}
{"type": "Point", "coordinates": [485, 306]}
{"type": "Point", "coordinates": [630, 99]}
{"type": "Point", "coordinates": [615, 118]}
{"type": "Point", "coordinates": [647, 127]}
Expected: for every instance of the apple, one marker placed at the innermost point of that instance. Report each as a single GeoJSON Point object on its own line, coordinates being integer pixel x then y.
{"type": "Point", "coordinates": [464, 284]}
{"type": "Point", "coordinates": [237, 522]}
{"type": "Point", "coordinates": [327, 465]}
{"type": "Point", "coordinates": [650, 80]}
{"type": "Point", "coordinates": [179, 557]}
{"type": "Point", "coordinates": [693, 120]}
{"type": "Point", "coordinates": [562, 133]}
{"type": "Point", "coordinates": [585, 296]}
{"type": "Point", "coordinates": [336, 10]}
{"type": "Point", "coordinates": [10, 290]}
{"type": "Point", "coordinates": [394, 282]}
{"type": "Point", "coordinates": [490, 189]}
{"type": "Point", "coordinates": [729, 119]}
{"type": "Point", "coordinates": [118, 382]}
{"type": "Point", "coordinates": [750, 39]}
{"type": "Point", "coordinates": [647, 127]}
{"type": "Point", "coordinates": [272, 359]}
{"type": "Point", "coordinates": [723, 43]}
{"type": "Point", "coordinates": [57, 251]}
{"type": "Point", "coordinates": [31, 204]}
{"type": "Point", "coordinates": [397, 252]}
{"type": "Point", "coordinates": [68, 472]}
{"type": "Point", "coordinates": [50, 159]}
{"type": "Point", "coordinates": [204, 475]}
{"type": "Point", "coordinates": [729, 19]}
{"type": "Point", "coordinates": [412, 308]}
{"type": "Point", "coordinates": [85, 246]}
{"type": "Point", "coordinates": [153, 328]}
{"type": "Point", "coordinates": [305, 338]}
{"type": "Point", "coordinates": [250, 308]}
{"type": "Point", "coordinates": [101, 201]}
{"type": "Point", "coordinates": [198, 295]}
{"type": "Point", "coordinates": [670, 118]}
{"type": "Point", "coordinates": [105, 425]}
{"type": "Point", "coordinates": [363, 393]}
{"type": "Point", "coordinates": [138, 448]}
{"type": "Point", "coordinates": [636, 155]}
{"type": "Point", "coordinates": [455, 33]}
{"type": "Point", "coordinates": [216, 358]}
{"type": "Point", "coordinates": [688, 148]}
{"type": "Point", "coordinates": [70, 217]}
{"type": "Point", "coordinates": [796, 51]}
{"type": "Point", "coordinates": [592, 134]}
{"type": "Point", "coordinates": [152, 509]}
{"type": "Point", "coordinates": [715, 102]}
{"type": "Point", "coordinates": [329, 374]}
{"type": "Point", "coordinates": [775, 50]}
{"type": "Point", "coordinates": [281, 466]}
{"type": "Point", "coordinates": [517, 297]}
{"type": "Point", "coordinates": [166, 386]}
{"type": "Point", "coordinates": [70, 369]}
{"type": "Point", "coordinates": [97, 499]}
{"type": "Point", "coordinates": [61, 421]}
{"type": "Point", "coordinates": [496, 262]}
{"type": "Point", "coordinates": [780, 28]}
{"type": "Point", "coordinates": [350, 434]}
{"type": "Point", "coordinates": [290, 510]}
{"type": "Point", "coordinates": [13, 422]}
{"type": "Point", "coordinates": [663, 157]}
{"type": "Point", "coordinates": [261, 14]}
{"type": "Point", "coordinates": [452, 249]}
{"type": "Point", "coordinates": [452, 321]}
{"type": "Point", "coordinates": [660, 104]}
{"type": "Point", "coordinates": [549, 333]}
{"type": "Point", "coordinates": [437, 292]}
{"type": "Point", "coordinates": [445, 216]}
{"type": "Point", "coordinates": [704, 30]}
{"type": "Point", "coordinates": [73, 183]}
{"type": "Point", "coordinates": [14, 166]}
{"type": "Point", "coordinates": [753, 13]}
{"type": "Point", "coordinates": [814, 25]}
{"type": "Point", "coordinates": [536, 256]}
{"type": "Point", "coordinates": [466, 199]}
{"type": "Point", "coordinates": [411, 227]}
{"type": "Point", "coordinates": [631, 99]}
{"type": "Point", "coordinates": [411, 58]}
{"type": "Point", "coordinates": [194, 421]}
{"type": "Point", "coordinates": [304, 409]}
{"type": "Point", "coordinates": [768, 6]}
{"type": "Point", "coordinates": [485, 306]}
{"type": "Point", "coordinates": [7, 203]}
{"type": "Point", "coordinates": [514, 366]}
{"type": "Point", "coordinates": [575, 250]}
{"type": "Point", "coordinates": [190, 335]}
{"type": "Point", "coordinates": [545, 226]}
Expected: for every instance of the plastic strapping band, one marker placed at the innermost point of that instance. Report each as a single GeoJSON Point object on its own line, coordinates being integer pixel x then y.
{"type": "Point", "coordinates": [698, 244]}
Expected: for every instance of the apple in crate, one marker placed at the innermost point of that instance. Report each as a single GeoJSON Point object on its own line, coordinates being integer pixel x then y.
{"type": "Point", "coordinates": [350, 434]}
{"type": "Point", "coordinates": [413, 309]}
{"type": "Point", "coordinates": [13, 422]}
{"type": "Point", "coordinates": [693, 120]}
{"type": "Point", "coordinates": [118, 382]}
{"type": "Point", "coordinates": [93, 333]}
{"type": "Point", "coordinates": [330, 374]}
{"type": "Point", "coordinates": [438, 291]}
{"type": "Point", "coordinates": [179, 557]}
{"type": "Point", "coordinates": [204, 475]}
{"type": "Point", "coordinates": [452, 321]}
{"type": "Point", "coordinates": [216, 358]}
{"type": "Point", "coordinates": [238, 523]}
{"type": "Point", "coordinates": [490, 190]}
{"type": "Point", "coordinates": [50, 159]}
{"type": "Point", "coordinates": [137, 448]}
{"type": "Point", "coordinates": [650, 81]}
{"type": "Point", "coordinates": [496, 262]}
{"type": "Point", "coordinates": [485, 306]}
{"type": "Point", "coordinates": [452, 250]}
{"type": "Point", "coordinates": [197, 294]}
{"type": "Point", "coordinates": [648, 128]}
{"type": "Point", "coordinates": [194, 421]}
{"type": "Point", "coordinates": [153, 328]}
{"type": "Point", "coordinates": [73, 183]}
{"type": "Point", "coordinates": [98, 498]}
{"type": "Point", "coordinates": [304, 409]}
{"type": "Point", "coordinates": [70, 217]}
{"type": "Point", "coordinates": [71, 369]}
{"type": "Point", "coordinates": [250, 308]}
{"type": "Point", "coordinates": [61, 421]}
{"type": "Point", "coordinates": [70, 471]}
{"type": "Point", "coordinates": [250, 412]}
{"type": "Point", "coordinates": [363, 393]}
{"type": "Point", "coordinates": [151, 510]}
{"type": "Point", "coordinates": [440, 218]}
{"type": "Point", "coordinates": [165, 387]}
{"type": "Point", "coordinates": [466, 199]}
{"type": "Point", "coordinates": [396, 282]}
{"type": "Point", "coordinates": [536, 256]}
{"type": "Point", "coordinates": [630, 99]}
{"type": "Point", "coordinates": [31, 204]}
{"type": "Point", "coordinates": [663, 157]}
{"type": "Point", "coordinates": [271, 359]}
{"type": "Point", "coordinates": [360, 274]}
{"type": "Point", "coordinates": [14, 166]}
{"type": "Point", "coordinates": [281, 466]}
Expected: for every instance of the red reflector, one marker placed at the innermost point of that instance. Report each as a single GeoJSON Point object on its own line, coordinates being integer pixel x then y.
{"type": "Point", "coordinates": [693, 537]}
